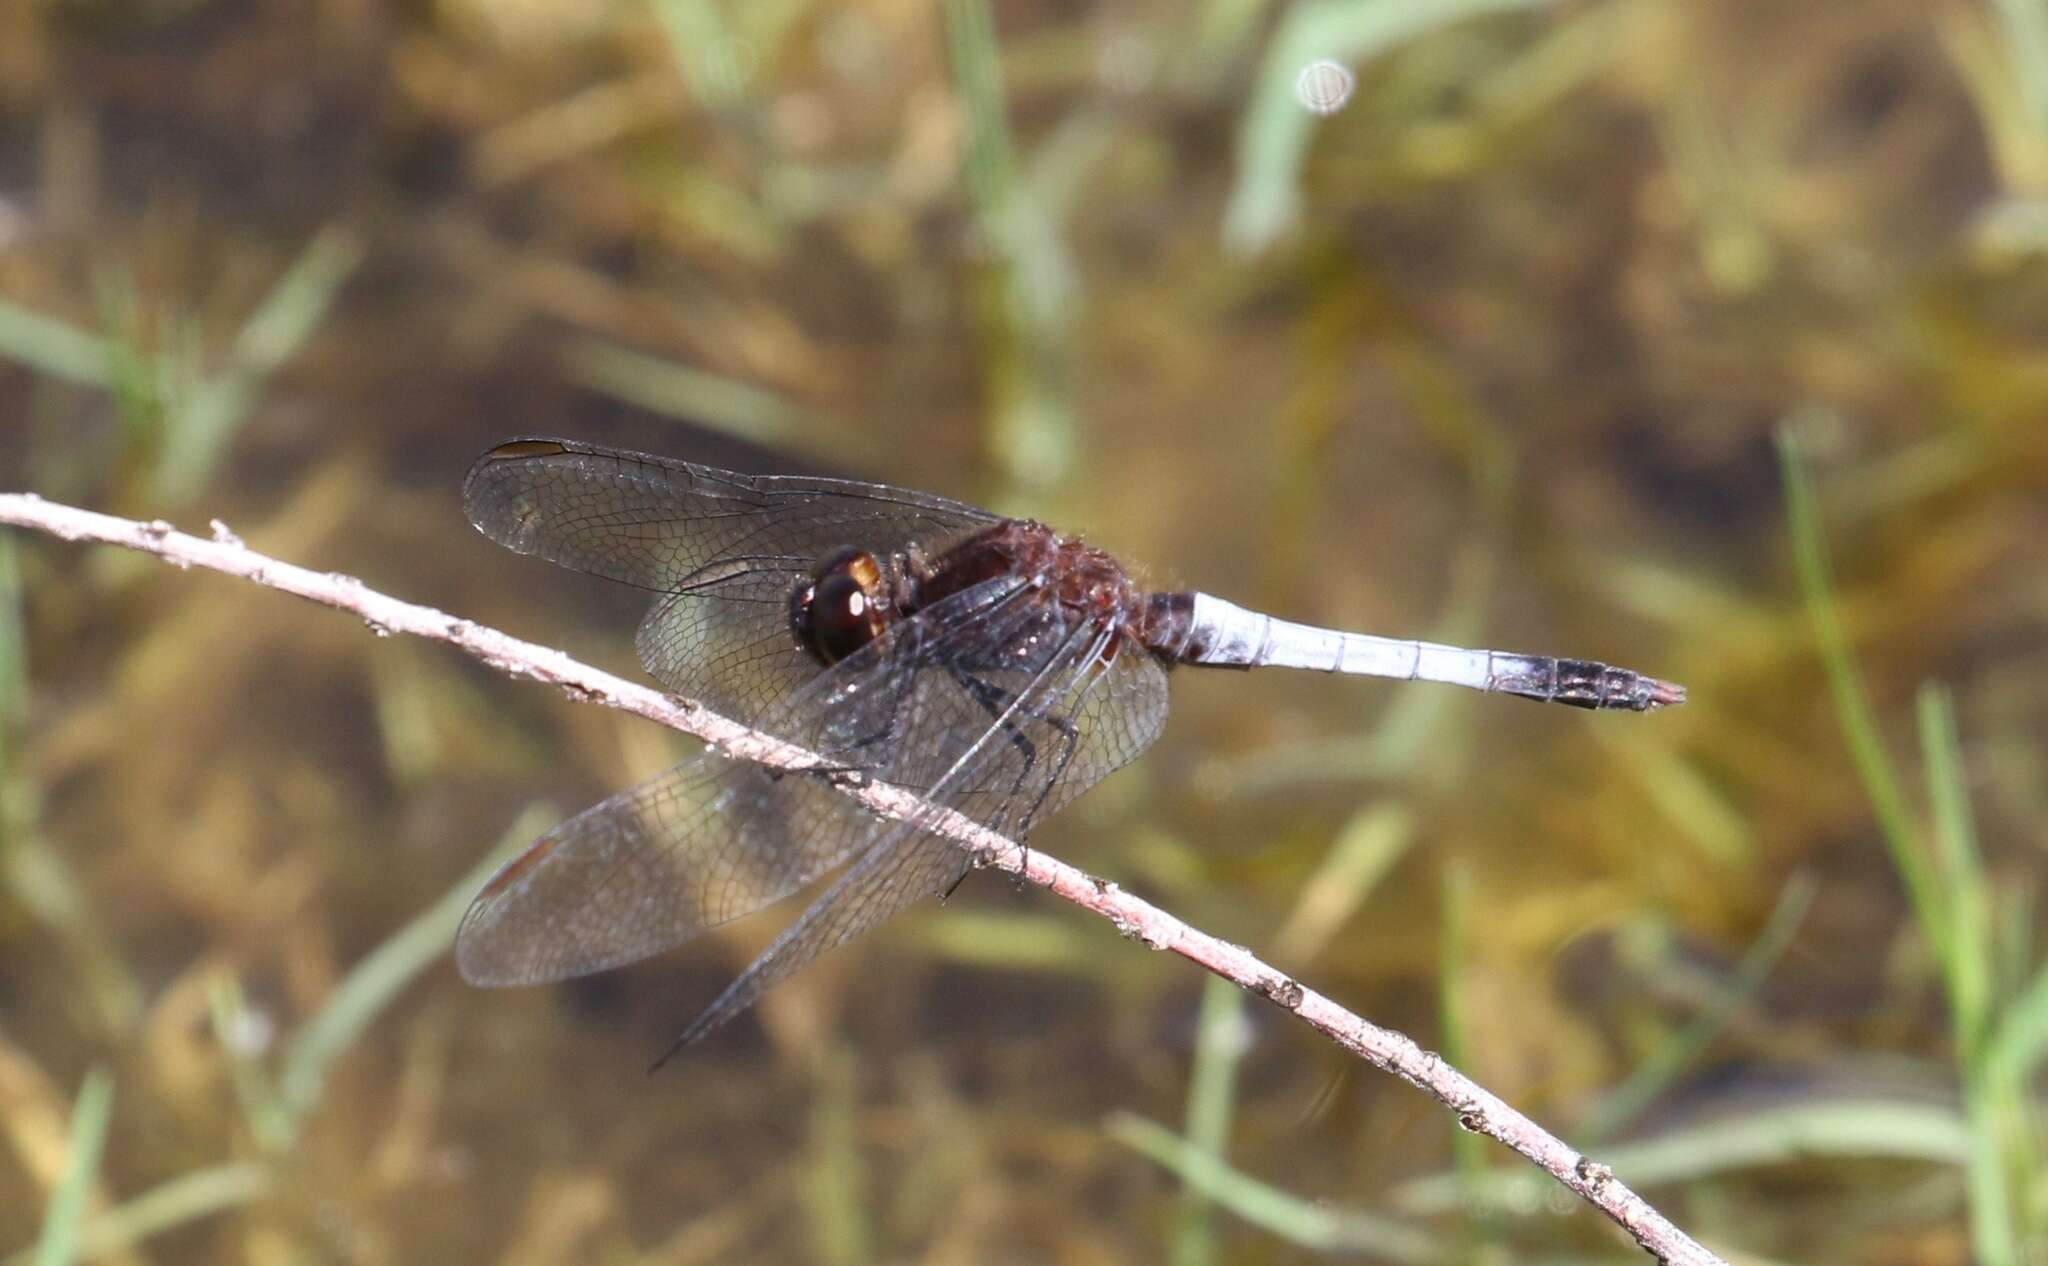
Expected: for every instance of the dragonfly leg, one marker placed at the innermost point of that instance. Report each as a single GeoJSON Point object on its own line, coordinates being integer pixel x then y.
{"type": "Point", "coordinates": [836, 770]}
{"type": "Point", "coordinates": [998, 701]}
{"type": "Point", "coordinates": [1071, 734]}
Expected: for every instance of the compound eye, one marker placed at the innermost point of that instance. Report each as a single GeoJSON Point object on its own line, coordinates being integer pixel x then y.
{"type": "Point", "coordinates": [835, 615]}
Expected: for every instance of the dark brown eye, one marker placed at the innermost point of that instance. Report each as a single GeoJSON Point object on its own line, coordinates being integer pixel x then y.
{"type": "Point", "coordinates": [835, 613]}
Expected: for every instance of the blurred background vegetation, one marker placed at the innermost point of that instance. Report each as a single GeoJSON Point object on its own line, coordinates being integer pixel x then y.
{"type": "Point", "coordinates": [1500, 352]}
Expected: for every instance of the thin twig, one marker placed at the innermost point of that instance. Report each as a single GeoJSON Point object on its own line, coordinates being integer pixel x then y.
{"type": "Point", "coordinates": [1477, 1109]}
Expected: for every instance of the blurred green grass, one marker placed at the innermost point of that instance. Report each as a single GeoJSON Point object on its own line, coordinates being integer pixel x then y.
{"type": "Point", "coordinates": [1942, 867]}
{"type": "Point", "coordinates": [87, 1141]}
{"type": "Point", "coordinates": [175, 410]}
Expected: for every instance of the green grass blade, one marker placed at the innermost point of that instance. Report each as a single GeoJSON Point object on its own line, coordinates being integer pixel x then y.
{"type": "Point", "coordinates": [1655, 1074]}
{"type": "Point", "coordinates": [832, 1186]}
{"type": "Point", "coordinates": [269, 1119]}
{"type": "Point", "coordinates": [2020, 1037]}
{"type": "Point", "coordinates": [1972, 975]}
{"type": "Point", "coordinates": [990, 166]}
{"type": "Point", "coordinates": [1881, 779]}
{"type": "Point", "coordinates": [1946, 883]}
{"type": "Point", "coordinates": [298, 303]}
{"type": "Point", "coordinates": [31, 871]}
{"type": "Point", "coordinates": [1008, 941]}
{"type": "Point", "coordinates": [184, 1199]}
{"type": "Point", "coordinates": [1025, 310]}
{"type": "Point", "coordinates": [386, 971]}
{"type": "Point", "coordinates": [1812, 1131]}
{"type": "Point", "coordinates": [136, 376]}
{"type": "Point", "coordinates": [1467, 1150]}
{"type": "Point", "coordinates": [59, 1243]}
{"type": "Point", "coordinates": [1212, 1104]}
{"type": "Point", "coordinates": [1995, 1099]}
{"type": "Point", "coordinates": [1997, 1116]}
{"type": "Point", "coordinates": [1370, 845]}
{"type": "Point", "coordinates": [679, 391]}
{"type": "Point", "coordinates": [1312, 1225]}
{"type": "Point", "coordinates": [203, 424]}
{"type": "Point", "coordinates": [53, 347]}
{"type": "Point", "coordinates": [13, 651]}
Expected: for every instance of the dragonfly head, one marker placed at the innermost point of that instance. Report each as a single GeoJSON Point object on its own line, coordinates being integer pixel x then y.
{"type": "Point", "coordinates": [837, 609]}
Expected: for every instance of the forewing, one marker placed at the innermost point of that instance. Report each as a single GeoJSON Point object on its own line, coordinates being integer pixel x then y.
{"type": "Point", "coordinates": [654, 521]}
{"type": "Point", "coordinates": [714, 838]}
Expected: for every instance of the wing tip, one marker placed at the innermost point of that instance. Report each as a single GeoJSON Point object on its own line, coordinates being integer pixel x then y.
{"type": "Point", "coordinates": [478, 968]}
{"type": "Point", "coordinates": [489, 962]}
{"type": "Point", "coordinates": [505, 519]}
{"type": "Point", "coordinates": [518, 448]}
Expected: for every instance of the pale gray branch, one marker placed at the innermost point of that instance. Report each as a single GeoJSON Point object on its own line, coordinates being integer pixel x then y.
{"type": "Point", "coordinates": [1477, 1109]}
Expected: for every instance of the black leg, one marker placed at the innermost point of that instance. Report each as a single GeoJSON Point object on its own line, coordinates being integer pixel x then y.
{"type": "Point", "coordinates": [998, 701]}
{"type": "Point", "coordinates": [881, 737]}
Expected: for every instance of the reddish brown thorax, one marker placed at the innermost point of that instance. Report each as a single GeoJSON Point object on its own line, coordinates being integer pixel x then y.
{"type": "Point", "coordinates": [1080, 577]}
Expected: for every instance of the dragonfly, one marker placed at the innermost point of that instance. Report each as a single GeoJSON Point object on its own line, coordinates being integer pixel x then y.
{"type": "Point", "coordinates": [992, 666]}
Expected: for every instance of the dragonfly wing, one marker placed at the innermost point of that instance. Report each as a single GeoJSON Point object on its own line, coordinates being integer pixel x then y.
{"type": "Point", "coordinates": [714, 838]}
{"type": "Point", "coordinates": [709, 841]}
{"type": "Point", "coordinates": [725, 642]}
{"type": "Point", "coordinates": [724, 550]}
{"type": "Point", "coordinates": [654, 521]}
{"type": "Point", "coordinates": [903, 867]}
